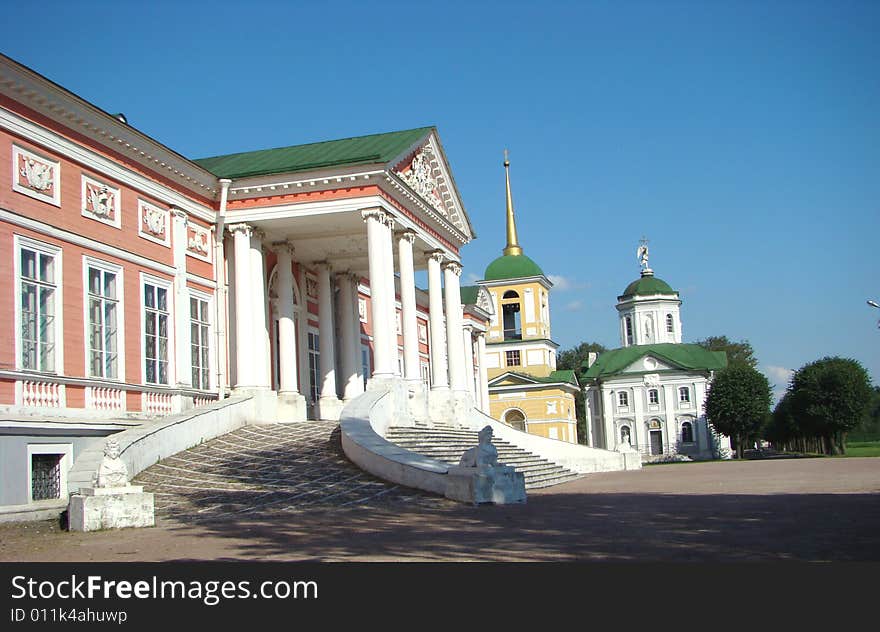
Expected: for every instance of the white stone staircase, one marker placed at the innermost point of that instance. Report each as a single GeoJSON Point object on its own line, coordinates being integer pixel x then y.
{"type": "Point", "coordinates": [447, 443]}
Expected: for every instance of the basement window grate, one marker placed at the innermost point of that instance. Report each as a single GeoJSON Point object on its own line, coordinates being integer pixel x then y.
{"type": "Point", "coordinates": [46, 476]}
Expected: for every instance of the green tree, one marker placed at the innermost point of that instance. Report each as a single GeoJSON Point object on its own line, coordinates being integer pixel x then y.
{"type": "Point", "coordinates": [573, 359]}
{"type": "Point", "coordinates": [830, 397]}
{"type": "Point", "coordinates": [737, 352]}
{"type": "Point", "coordinates": [738, 404]}
{"type": "Point", "coordinates": [782, 427]}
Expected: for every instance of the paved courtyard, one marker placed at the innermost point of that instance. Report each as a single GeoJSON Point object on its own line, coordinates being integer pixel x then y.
{"type": "Point", "coordinates": [288, 493]}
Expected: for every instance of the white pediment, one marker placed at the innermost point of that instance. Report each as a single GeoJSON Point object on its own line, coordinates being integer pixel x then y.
{"type": "Point", "coordinates": [484, 301]}
{"type": "Point", "coordinates": [426, 172]}
{"type": "Point", "coordinates": [647, 363]}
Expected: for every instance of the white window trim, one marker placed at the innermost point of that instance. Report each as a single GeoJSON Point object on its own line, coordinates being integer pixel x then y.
{"type": "Point", "coordinates": [684, 401]}
{"type": "Point", "coordinates": [91, 262]}
{"type": "Point", "coordinates": [167, 285]}
{"type": "Point", "coordinates": [66, 450]}
{"type": "Point", "coordinates": [212, 352]}
{"type": "Point", "coordinates": [54, 199]}
{"type": "Point", "coordinates": [19, 242]}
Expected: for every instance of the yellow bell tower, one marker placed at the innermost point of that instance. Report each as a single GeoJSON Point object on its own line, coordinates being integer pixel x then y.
{"type": "Point", "coordinates": [525, 389]}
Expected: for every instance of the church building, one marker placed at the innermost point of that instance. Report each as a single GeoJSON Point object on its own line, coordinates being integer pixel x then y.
{"type": "Point", "coordinates": [526, 390]}
{"type": "Point", "coordinates": [649, 394]}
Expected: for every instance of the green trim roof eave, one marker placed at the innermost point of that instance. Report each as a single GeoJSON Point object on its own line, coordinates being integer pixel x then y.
{"type": "Point", "coordinates": [689, 357]}
{"type": "Point", "coordinates": [372, 149]}
{"type": "Point", "coordinates": [556, 378]}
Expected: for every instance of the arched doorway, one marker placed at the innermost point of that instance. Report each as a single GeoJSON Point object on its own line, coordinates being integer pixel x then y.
{"type": "Point", "coordinates": [515, 418]}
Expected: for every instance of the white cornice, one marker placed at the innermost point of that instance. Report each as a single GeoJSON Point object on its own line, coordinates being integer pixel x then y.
{"type": "Point", "coordinates": [29, 88]}
{"type": "Point", "coordinates": [58, 144]}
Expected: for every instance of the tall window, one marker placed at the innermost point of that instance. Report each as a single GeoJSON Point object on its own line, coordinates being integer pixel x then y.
{"type": "Point", "coordinates": [199, 325]}
{"type": "Point", "coordinates": [687, 432]}
{"type": "Point", "coordinates": [684, 394]}
{"type": "Point", "coordinates": [103, 328]}
{"type": "Point", "coordinates": [156, 317]}
{"type": "Point", "coordinates": [653, 396]}
{"type": "Point", "coordinates": [629, 329]}
{"type": "Point", "coordinates": [670, 324]}
{"type": "Point", "coordinates": [37, 290]}
{"type": "Point", "coordinates": [365, 363]}
{"type": "Point", "coordinates": [512, 358]}
{"type": "Point", "coordinates": [511, 315]}
{"type": "Point", "coordinates": [623, 398]}
{"type": "Point", "coordinates": [314, 365]}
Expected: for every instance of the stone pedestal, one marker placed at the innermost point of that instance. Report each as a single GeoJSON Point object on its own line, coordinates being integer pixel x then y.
{"type": "Point", "coordinates": [329, 408]}
{"type": "Point", "coordinates": [292, 407]}
{"type": "Point", "coordinates": [417, 392]}
{"type": "Point", "coordinates": [96, 508]}
{"type": "Point", "coordinates": [499, 485]}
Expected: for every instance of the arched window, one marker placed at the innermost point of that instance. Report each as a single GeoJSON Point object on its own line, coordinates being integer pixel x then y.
{"type": "Point", "coordinates": [510, 313]}
{"type": "Point", "coordinates": [623, 398]}
{"type": "Point", "coordinates": [625, 436]}
{"type": "Point", "coordinates": [653, 396]}
{"type": "Point", "coordinates": [516, 419]}
{"type": "Point", "coordinates": [684, 394]}
{"type": "Point", "coordinates": [670, 324]}
{"type": "Point", "coordinates": [687, 432]}
{"type": "Point", "coordinates": [629, 329]}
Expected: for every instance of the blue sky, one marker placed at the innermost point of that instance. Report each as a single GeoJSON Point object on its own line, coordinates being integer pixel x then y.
{"type": "Point", "coordinates": [742, 138]}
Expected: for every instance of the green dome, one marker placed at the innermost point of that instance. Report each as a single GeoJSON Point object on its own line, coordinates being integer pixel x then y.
{"type": "Point", "coordinates": [512, 267]}
{"type": "Point", "coordinates": [646, 286]}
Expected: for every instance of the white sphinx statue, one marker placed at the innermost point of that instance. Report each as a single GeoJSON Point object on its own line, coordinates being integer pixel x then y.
{"type": "Point", "coordinates": [479, 478]}
{"type": "Point", "coordinates": [112, 471]}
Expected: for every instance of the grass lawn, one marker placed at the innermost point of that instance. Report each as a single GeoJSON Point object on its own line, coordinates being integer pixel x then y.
{"type": "Point", "coordinates": [863, 448]}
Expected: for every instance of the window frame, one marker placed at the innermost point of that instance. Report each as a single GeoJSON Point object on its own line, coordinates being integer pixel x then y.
{"type": "Point", "coordinates": [21, 242]}
{"type": "Point", "coordinates": [167, 285]}
{"type": "Point", "coordinates": [66, 452]}
{"type": "Point", "coordinates": [622, 399]}
{"type": "Point", "coordinates": [104, 266]}
{"type": "Point", "coordinates": [209, 300]}
{"type": "Point", "coordinates": [684, 394]}
{"type": "Point", "coordinates": [656, 394]}
{"type": "Point", "coordinates": [314, 375]}
{"type": "Point", "coordinates": [507, 362]}
{"type": "Point", "coordinates": [670, 324]}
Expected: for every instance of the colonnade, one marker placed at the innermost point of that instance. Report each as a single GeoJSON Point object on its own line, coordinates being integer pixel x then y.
{"type": "Point", "coordinates": [451, 342]}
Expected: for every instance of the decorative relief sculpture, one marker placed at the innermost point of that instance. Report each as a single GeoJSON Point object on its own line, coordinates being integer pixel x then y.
{"type": "Point", "coordinates": [100, 202]}
{"type": "Point", "coordinates": [198, 242]}
{"type": "Point", "coordinates": [37, 175]}
{"type": "Point", "coordinates": [153, 223]}
{"type": "Point", "coordinates": [112, 471]}
{"type": "Point", "coordinates": [421, 178]}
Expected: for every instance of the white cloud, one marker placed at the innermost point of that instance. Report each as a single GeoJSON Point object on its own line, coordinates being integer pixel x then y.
{"type": "Point", "coordinates": [574, 306]}
{"type": "Point", "coordinates": [779, 377]}
{"type": "Point", "coordinates": [471, 278]}
{"type": "Point", "coordinates": [563, 284]}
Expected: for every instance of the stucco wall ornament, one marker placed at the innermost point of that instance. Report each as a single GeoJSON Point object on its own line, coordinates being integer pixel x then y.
{"type": "Point", "coordinates": [100, 201]}
{"type": "Point", "coordinates": [38, 176]}
{"type": "Point", "coordinates": [421, 179]}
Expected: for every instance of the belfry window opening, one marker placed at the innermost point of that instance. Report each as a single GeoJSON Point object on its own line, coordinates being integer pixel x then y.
{"type": "Point", "coordinates": [511, 313]}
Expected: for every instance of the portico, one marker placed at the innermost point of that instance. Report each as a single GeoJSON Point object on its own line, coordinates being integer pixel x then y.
{"type": "Point", "coordinates": [322, 232]}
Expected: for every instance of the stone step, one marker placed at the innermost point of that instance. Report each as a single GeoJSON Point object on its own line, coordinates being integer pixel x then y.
{"type": "Point", "coordinates": [447, 444]}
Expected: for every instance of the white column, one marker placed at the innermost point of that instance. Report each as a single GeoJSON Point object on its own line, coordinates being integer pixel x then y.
{"type": "Point", "coordinates": [303, 333]}
{"type": "Point", "coordinates": [244, 329]}
{"type": "Point", "coordinates": [439, 375]}
{"type": "Point", "coordinates": [379, 251]}
{"type": "Point", "coordinates": [350, 336]}
{"type": "Point", "coordinates": [484, 376]}
{"type": "Point", "coordinates": [392, 292]}
{"type": "Point", "coordinates": [405, 242]}
{"type": "Point", "coordinates": [467, 339]}
{"type": "Point", "coordinates": [455, 348]}
{"type": "Point", "coordinates": [182, 359]}
{"type": "Point", "coordinates": [327, 333]}
{"type": "Point", "coordinates": [287, 374]}
{"type": "Point", "coordinates": [258, 337]}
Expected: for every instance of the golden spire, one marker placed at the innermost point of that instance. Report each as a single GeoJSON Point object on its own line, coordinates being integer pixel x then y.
{"type": "Point", "coordinates": [513, 247]}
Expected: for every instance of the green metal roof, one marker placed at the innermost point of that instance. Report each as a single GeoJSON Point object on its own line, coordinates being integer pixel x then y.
{"type": "Point", "coordinates": [555, 377]}
{"type": "Point", "coordinates": [361, 150]}
{"type": "Point", "coordinates": [512, 267]}
{"type": "Point", "coordinates": [646, 286]}
{"type": "Point", "coordinates": [683, 356]}
{"type": "Point", "coordinates": [469, 294]}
